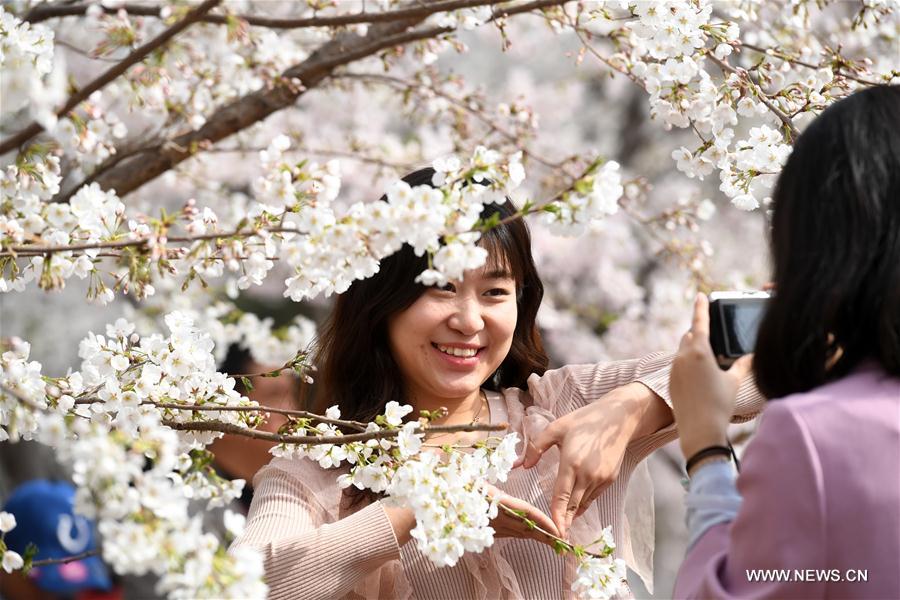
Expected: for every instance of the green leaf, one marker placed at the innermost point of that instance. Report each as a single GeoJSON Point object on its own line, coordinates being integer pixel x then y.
{"type": "Point", "coordinates": [31, 551]}
{"type": "Point", "coordinates": [560, 547]}
{"type": "Point", "coordinates": [246, 383]}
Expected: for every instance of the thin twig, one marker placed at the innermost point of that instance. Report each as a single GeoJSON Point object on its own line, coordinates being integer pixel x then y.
{"type": "Point", "coordinates": [66, 560]}
{"type": "Point", "coordinates": [605, 60]}
{"type": "Point", "coordinates": [22, 399]}
{"type": "Point", "coordinates": [796, 61]}
{"type": "Point", "coordinates": [281, 411]}
{"type": "Point", "coordinates": [135, 57]}
{"type": "Point", "coordinates": [535, 527]}
{"type": "Point", "coordinates": [784, 118]}
{"type": "Point", "coordinates": [320, 152]}
{"type": "Point", "coordinates": [459, 103]}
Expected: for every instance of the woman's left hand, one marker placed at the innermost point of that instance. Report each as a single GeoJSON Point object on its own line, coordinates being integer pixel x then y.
{"type": "Point", "coordinates": [702, 394]}
{"type": "Point", "coordinates": [592, 442]}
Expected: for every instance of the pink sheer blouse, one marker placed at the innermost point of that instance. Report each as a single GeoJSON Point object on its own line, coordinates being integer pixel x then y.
{"type": "Point", "coordinates": [312, 549]}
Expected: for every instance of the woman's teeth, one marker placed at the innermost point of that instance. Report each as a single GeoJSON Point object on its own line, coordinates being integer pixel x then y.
{"type": "Point", "coordinates": [461, 352]}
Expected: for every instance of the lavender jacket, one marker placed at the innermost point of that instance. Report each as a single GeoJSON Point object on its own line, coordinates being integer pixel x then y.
{"type": "Point", "coordinates": [821, 500]}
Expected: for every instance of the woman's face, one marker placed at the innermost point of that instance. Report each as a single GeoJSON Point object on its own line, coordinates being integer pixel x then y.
{"type": "Point", "coordinates": [450, 341]}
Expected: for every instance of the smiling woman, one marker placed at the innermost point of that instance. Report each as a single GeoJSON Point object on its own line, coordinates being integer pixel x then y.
{"type": "Point", "coordinates": [473, 347]}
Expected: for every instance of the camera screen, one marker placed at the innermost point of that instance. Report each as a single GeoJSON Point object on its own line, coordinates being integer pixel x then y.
{"type": "Point", "coordinates": [741, 324]}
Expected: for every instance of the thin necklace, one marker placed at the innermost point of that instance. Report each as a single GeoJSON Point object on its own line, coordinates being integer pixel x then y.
{"type": "Point", "coordinates": [483, 400]}
{"type": "Point", "coordinates": [483, 397]}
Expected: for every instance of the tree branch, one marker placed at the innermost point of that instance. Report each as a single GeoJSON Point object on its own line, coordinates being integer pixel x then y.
{"type": "Point", "coordinates": [492, 125]}
{"type": "Point", "coordinates": [786, 120]}
{"type": "Point", "coordinates": [796, 61]}
{"type": "Point", "coordinates": [67, 559]}
{"type": "Point", "coordinates": [318, 439]}
{"type": "Point", "coordinates": [252, 108]}
{"type": "Point", "coordinates": [29, 250]}
{"type": "Point", "coordinates": [281, 411]}
{"type": "Point", "coordinates": [50, 11]}
{"type": "Point", "coordinates": [135, 57]}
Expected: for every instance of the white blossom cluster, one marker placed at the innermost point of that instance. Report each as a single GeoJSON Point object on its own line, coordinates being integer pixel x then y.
{"type": "Point", "coordinates": [448, 495]}
{"type": "Point", "coordinates": [295, 219]}
{"type": "Point", "coordinates": [450, 500]}
{"type": "Point", "coordinates": [135, 475]}
{"type": "Point", "coordinates": [674, 48]}
{"type": "Point", "coordinates": [12, 560]}
{"type": "Point", "coordinates": [23, 391]}
{"type": "Point", "coordinates": [24, 186]}
{"type": "Point", "coordinates": [670, 44]}
{"type": "Point", "coordinates": [90, 216]}
{"type": "Point", "coordinates": [763, 153]}
{"type": "Point", "coordinates": [595, 196]}
{"type": "Point", "coordinates": [466, 18]}
{"type": "Point", "coordinates": [92, 135]}
{"type": "Point", "coordinates": [600, 578]}
{"type": "Point", "coordinates": [226, 325]}
{"type": "Point", "coordinates": [130, 372]}
{"type": "Point", "coordinates": [333, 251]}
{"type": "Point", "coordinates": [30, 82]}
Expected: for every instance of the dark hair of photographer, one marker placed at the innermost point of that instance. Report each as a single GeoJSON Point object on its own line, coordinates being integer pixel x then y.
{"type": "Point", "coordinates": [836, 246]}
{"type": "Point", "coordinates": [355, 340]}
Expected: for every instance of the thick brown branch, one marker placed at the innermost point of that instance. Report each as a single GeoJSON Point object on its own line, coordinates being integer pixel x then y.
{"type": "Point", "coordinates": [135, 57]}
{"type": "Point", "coordinates": [50, 11]}
{"type": "Point", "coordinates": [250, 109]}
{"type": "Point", "coordinates": [331, 439]}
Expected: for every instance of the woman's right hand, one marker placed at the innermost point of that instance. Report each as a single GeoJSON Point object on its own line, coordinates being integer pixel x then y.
{"type": "Point", "coordinates": [509, 526]}
{"type": "Point", "coordinates": [702, 394]}
{"type": "Point", "coordinates": [505, 525]}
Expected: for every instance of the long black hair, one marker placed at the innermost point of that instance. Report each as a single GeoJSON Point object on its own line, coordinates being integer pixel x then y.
{"type": "Point", "coordinates": [836, 249]}
{"type": "Point", "coordinates": [356, 370]}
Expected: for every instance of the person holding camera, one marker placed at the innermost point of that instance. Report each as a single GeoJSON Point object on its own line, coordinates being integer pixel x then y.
{"type": "Point", "coordinates": [815, 511]}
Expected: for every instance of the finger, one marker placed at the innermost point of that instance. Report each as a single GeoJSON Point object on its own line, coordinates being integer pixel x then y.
{"type": "Point", "coordinates": [741, 367]}
{"type": "Point", "coordinates": [574, 504]}
{"type": "Point", "coordinates": [700, 322]}
{"type": "Point", "coordinates": [536, 447]}
{"type": "Point", "coordinates": [532, 513]}
{"type": "Point", "coordinates": [562, 492]}
{"type": "Point", "coordinates": [686, 339]}
{"type": "Point", "coordinates": [768, 286]}
{"type": "Point", "coordinates": [541, 520]}
{"type": "Point", "coordinates": [587, 499]}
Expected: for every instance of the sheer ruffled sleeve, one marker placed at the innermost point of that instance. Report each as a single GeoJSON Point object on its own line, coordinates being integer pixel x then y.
{"type": "Point", "coordinates": [573, 386]}
{"type": "Point", "coordinates": [308, 551]}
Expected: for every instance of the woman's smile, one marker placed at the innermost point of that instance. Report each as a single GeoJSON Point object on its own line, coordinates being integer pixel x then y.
{"type": "Point", "coordinates": [465, 356]}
